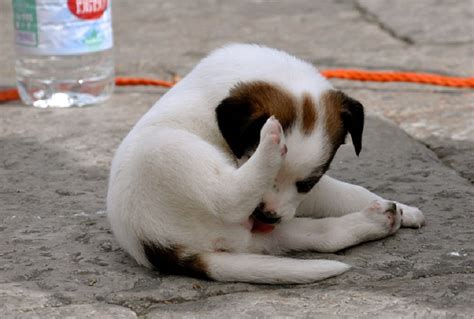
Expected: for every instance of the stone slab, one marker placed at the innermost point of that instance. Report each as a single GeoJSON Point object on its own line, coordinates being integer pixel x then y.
{"type": "Point", "coordinates": [55, 236]}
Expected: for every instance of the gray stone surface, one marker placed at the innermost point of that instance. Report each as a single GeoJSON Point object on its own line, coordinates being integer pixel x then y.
{"type": "Point", "coordinates": [58, 257]}
{"type": "Point", "coordinates": [27, 301]}
{"type": "Point", "coordinates": [424, 22]}
{"type": "Point", "coordinates": [310, 302]}
{"type": "Point", "coordinates": [57, 243]}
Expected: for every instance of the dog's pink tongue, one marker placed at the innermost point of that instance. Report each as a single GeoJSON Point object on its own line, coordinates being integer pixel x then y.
{"type": "Point", "coordinates": [259, 227]}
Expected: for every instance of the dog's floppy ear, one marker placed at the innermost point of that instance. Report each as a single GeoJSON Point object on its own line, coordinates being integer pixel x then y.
{"type": "Point", "coordinates": [243, 113]}
{"type": "Point", "coordinates": [238, 125]}
{"type": "Point", "coordinates": [344, 115]}
{"type": "Point", "coordinates": [353, 120]}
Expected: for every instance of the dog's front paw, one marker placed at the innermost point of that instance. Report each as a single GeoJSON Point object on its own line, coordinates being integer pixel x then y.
{"type": "Point", "coordinates": [386, 215]}
{"type": "Point", "coordinates": [412, 216]}
{"type": "Point", "coordinates": [272, 139]}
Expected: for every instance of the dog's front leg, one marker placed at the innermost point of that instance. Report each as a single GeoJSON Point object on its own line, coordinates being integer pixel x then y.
{"type": "Point", "coordinates": [380, 219]}
{"type": "Point", "coordinates": [331, 197]}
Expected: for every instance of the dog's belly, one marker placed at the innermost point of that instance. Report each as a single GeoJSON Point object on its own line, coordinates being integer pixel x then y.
{"type": "Point", "coordinates": [205, 232]}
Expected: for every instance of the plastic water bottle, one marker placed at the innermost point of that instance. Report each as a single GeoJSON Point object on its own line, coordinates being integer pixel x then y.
{"type": "Point", "coordinates": [64, 51]}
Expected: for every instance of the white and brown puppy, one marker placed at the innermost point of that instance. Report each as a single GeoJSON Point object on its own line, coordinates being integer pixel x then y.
{"type": "Point", "coordinates": [209, 181]}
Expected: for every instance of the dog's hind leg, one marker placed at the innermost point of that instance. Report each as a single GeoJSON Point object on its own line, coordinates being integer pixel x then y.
{"type": "Point", "coordinates": [332, 198]}
{"type": "Point", "coordinates": [382, 218]}
{"type": "Point", "coordinates": [265, 269]}
{"type": "Point", "coordinates": [190, 171]}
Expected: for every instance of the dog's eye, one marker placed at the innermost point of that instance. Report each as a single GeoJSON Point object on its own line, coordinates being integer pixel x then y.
{"type": "Point", "coordinates": [306, 185]}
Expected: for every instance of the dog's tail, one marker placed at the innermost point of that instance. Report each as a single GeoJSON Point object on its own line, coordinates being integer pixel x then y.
{"type": "Point", "coordinates": [253, 268]}
{"type": "Point", "coordinates": [268, 269]}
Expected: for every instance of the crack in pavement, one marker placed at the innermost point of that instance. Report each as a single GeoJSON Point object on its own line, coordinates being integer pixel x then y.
{"type": "Point", "coordinates": [374, 19]}
{"type": "Point", "coordinates": [435, 151]}
{"type": "Point", "coordinates": [142, 306]}
{"type": "Point", "coordinates": [145, 310]}
{"type": "Point", "coordinates": [438, 152]}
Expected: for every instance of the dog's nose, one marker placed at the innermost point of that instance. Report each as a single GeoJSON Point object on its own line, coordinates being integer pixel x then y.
{"type": "Point", "coordinates": [393, 207]}
{"type": "Point", "coordinates": [265, 217]}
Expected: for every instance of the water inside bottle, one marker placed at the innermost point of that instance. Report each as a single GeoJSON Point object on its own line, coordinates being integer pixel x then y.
{"type": "Point", "coordinates": [65, 80]}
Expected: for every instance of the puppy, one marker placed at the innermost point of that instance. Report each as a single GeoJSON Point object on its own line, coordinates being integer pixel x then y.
{"type": "Point", "coordinates": [209, 181]}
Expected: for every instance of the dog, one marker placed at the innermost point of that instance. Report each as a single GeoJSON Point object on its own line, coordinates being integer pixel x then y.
{"type": "Point", "coordinates": [227, 171]}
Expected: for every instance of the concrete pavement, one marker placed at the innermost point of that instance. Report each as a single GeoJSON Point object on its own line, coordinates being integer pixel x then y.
{"type": "Point", "coordinates": [58, 257]}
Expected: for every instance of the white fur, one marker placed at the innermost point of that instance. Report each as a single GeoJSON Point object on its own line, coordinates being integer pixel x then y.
{"type": "Point", "coordinates": [174, 180]}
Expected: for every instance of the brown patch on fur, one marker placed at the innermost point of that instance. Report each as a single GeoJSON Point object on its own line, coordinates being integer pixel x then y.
{"type": "Point", "coordinates": [267, 99]}
{"type": "Point", "coordinates": [333, 101]}
{"type": "Point", "coordinates": [173, 260]}
{"type": "Point", "coordinates": [309, 116]}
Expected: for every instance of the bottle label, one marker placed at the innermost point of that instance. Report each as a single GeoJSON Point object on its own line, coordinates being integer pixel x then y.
{"type": "Point", "coordinates": [62, 27]}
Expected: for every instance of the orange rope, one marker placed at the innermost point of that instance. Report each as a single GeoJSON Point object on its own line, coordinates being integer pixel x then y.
{"type": "Point", "coordinates": [347, 74]}
{"type": "Point", "coordinates": [124, 81]}
{"type": "Point", "coordinates": [9, 95]}
{"type": "Point", "coordinates": [381, 76]}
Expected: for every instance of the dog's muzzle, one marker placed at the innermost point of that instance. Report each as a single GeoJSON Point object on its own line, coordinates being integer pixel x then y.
{"type": "Point", "coordinates": [265, 216]}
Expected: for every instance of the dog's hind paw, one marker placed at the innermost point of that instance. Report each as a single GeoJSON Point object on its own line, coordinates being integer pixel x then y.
{"type": "Point", "coordinates": [386, 214]}
{"type": "Point", "coordinates": [272, 137]}
{"type": "Point", "coordinates": [412, 216]}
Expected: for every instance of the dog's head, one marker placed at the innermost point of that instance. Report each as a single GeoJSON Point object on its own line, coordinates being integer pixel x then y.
{"type": "Point", "coordinates": [315, 125]}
